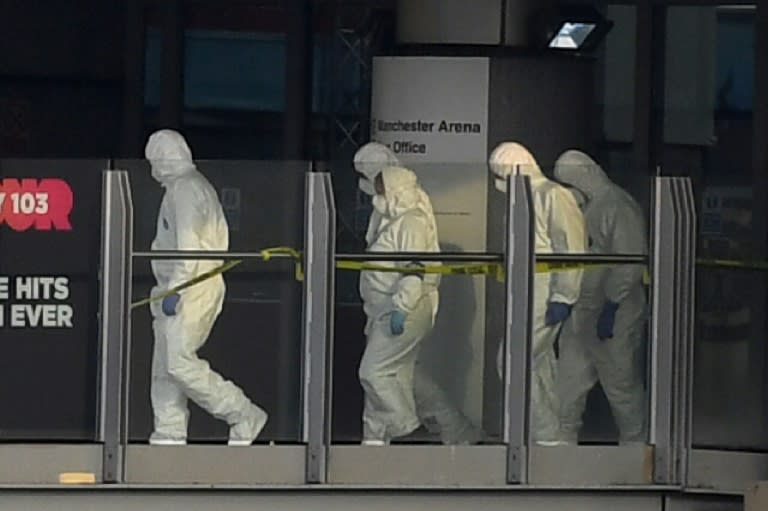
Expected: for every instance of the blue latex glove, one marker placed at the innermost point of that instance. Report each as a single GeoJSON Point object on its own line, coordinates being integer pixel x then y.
{"type": "Point", "coordinates": [606, 321]}
{"type": "Point", "coordinates": [557, 312]}
{"type": "Point", "coordinates": [397, 322]}
{"type": "Point", "coordinates": [170, 303]}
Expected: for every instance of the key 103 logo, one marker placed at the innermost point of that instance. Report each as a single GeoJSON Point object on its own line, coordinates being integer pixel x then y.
{"type": "Point", "coordinates": [37, 204]}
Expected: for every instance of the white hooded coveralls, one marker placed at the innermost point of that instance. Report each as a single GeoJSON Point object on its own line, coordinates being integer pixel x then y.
{"type": "Point", "coordinates": [616, 226]}
{"type": "Point", "coordinates": [190, 218]}
{"type": "Point", "coordinates": [399, 395]}
{"type": "Point", "coordinates": [558, 229]}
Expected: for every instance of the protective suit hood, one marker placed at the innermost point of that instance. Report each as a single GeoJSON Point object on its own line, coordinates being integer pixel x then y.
{"type": "Point", "coordinates": [403, 192]}
{"type": "Point", "coordinates": [169, 155]}
{"type": "Point", "coordinates": [577, 169]}
{"type": "Point", "coordinates": [370, 160]}
{"type": "Point", "coordinates": [509, 157]}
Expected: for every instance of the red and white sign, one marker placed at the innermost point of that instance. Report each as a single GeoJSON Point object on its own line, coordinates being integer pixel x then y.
{"type": "Point", "coordinates": [38, 204]}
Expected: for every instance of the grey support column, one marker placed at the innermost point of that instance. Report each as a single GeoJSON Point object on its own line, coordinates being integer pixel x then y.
{"type": "Point", "coordinates": [760, 185]}
{"type": "Point", "coordinates": [115, 287]}
{"type": "Point", "coordinates": [687, 311]}
{"type": "Point", "coordinates": [519, 266]}
{"type": "Point", "coordinates": [298, 79]}
{"type": "Point", "coordinates": [172, 74]}
{"type": "Point", "coordinates": [672, 309]}
{"type": "Point", "coordinates": [649, 84]}
{"type": "Point", "coordinates": [663, 255]}
{"type": "Point", "coordinates": [319, 257]}
{"type": "Point", "coordinates": [133, 79]}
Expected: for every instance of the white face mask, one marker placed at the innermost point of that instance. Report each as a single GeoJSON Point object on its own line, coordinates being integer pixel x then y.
{"type": "Point", "coordinates": [366, 187]}
{"type": "Point", "coordinates": [581, 199]}
{"type": "Point", "coordinates": [501, 185]}
{"type": "Point", "coordinates": [157, 171]}
{"type": "Point", "coordinates": [164, 171]}
{"type": "Point", "coordinates": [380, 204]}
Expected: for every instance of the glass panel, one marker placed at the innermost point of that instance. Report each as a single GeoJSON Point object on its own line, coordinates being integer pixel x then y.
{"type": "Point", "coordinates": [49, 305]}
{"type": "Point", "coordinates": [729, 358]}
{"type": "Point", "coordinates": [616, 78]}
{"type": "Point", "coordinates": [256, 340]}
{"type": "Point", "coordinates": [222, 70]}
{"type": "Point", "coordinates": [431, 383]}
{"type": "Point", "coordinates": [709, 137]}
{"type": "Point", "coordinates": [615, 85]}
{"type": "Point", "coordinates": [589, 334]}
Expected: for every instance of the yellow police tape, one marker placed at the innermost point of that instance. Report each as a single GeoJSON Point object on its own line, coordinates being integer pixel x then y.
{"type": "Point", "coordinates": [728, 263]}
{"type": "Point", "coordinates": [266, 255]}
{"type": "Point", "coordinates": [495, 269]}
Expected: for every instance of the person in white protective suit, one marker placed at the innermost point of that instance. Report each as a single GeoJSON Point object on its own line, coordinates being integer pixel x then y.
{"type": "Point", "coordinates": [603, 338]}
{"type": "Point", "coordinates": [559, 229]}
{"type": "Point", "coordinates": [190, 218]}
{"type": "Point", "coordinates": [369, 161]}
{"type": "Point", "coordinates": [400, 308]}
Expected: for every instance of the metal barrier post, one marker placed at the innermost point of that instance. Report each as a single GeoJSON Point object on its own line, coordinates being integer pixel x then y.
{"type": "Point", "coordinates": [320, 245]}
{"type": "Point", "coordinates": [115, 288]}
{"type": "Point", "coordinates": [519, 265]}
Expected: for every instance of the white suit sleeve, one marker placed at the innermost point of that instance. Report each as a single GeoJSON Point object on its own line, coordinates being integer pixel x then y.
{"type": "Point", "coordinates": [411, 237]}
{"type": "Point", "coordinates": [566, 231]}
{"type": "Point", "coordinates": [189, 216]}
{"type": "Point", "coordinates": [626, 231]}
